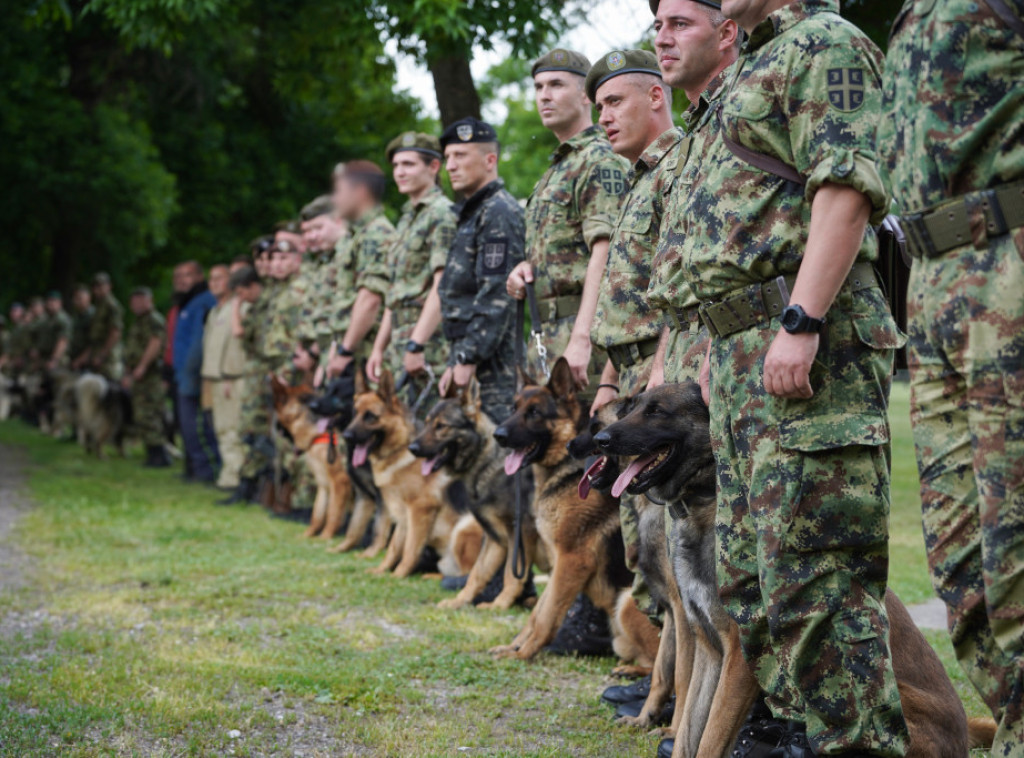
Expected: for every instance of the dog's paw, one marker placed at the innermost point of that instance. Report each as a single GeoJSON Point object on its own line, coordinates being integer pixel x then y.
{"type": "Point", "coordinates": [451, 603]}
{"type": "Point", "coordinates": [637, 722]}
{"type": "Point", "coordinates": [309, 533]}
{"type": "Point", "coordinates": [368, 554]}
{"type": "Point", "coordinates": [378, 570]}
{"type": "Point", "coordinates": [498, 604]}
{"type": "Point", "coordinates": [503, 651]}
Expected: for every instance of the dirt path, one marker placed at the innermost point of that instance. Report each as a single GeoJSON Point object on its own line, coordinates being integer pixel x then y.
{"type": "Point", "coordinates": [13, 504]}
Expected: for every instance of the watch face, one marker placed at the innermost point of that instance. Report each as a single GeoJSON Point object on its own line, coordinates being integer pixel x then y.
{"type": "Point", "coordinates": [790, 319]}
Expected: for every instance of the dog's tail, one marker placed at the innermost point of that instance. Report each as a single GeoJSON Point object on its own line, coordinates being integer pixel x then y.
{"type": "Point", "coordinates": [980, 733]}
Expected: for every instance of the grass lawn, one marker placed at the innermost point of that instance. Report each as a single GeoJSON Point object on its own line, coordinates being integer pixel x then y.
{"type": "Point", "coordinates": [149, 622]}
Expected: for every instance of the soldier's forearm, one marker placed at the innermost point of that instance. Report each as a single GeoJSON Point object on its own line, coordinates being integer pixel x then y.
{"type": "Point", "coordinates": [112, 339]}
{"type": "Point", "coordinates": [149, 354]}
{"type": "Point", "coordinates": [430, 316]}
{"type": "Point", "coordinates": [591, 290]}
{"type": "Point", "coordinates": [839, 216]}
{"type": "Point", "coordinates": [59, 350]}
{"type": "Point", "coordinates": [384, 332]}
{"type": "Point", "coordinates": [364, 316]}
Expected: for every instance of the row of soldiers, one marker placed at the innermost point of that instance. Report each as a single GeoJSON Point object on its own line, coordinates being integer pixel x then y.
{"type": "Point", "coordinates": [737, 250]}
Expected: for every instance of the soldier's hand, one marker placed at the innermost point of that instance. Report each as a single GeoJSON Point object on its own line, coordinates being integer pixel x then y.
{"type": "Point", "coordinates": [126, 381]}
{"type": "Point", "coordinates": [444, 381]}
{"type": "Point", "coordinates": [414, 363]}
{"type": "Point", "coordinates": [374, 364]}
{"type": "Point", "coordinates": [787, 366]}
{"type": "Point", "coordinates": [462, 373]}
{"type": "Point", "coordinates": [604, 396]}
{"type": "Point", "coordinates": [337, 364]}
{"type": "Point", "coordinates": [705, 377]}
{"type": "Point", "coordinates": [515, 285]}
{"type": "Point", "coordinates": [577, 354]}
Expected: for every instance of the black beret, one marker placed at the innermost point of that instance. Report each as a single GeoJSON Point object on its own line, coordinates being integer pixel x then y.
{"type": "Point", "coordinates": [468, 129]}
{"type": "Point", "coordinates": [710, 3]}
{"type": "Point", "coordinates": [620, 62]}
{"type": "Point", "coordinates": [417, 142]}
{"type": "Point", "coordinates": [562, 60]}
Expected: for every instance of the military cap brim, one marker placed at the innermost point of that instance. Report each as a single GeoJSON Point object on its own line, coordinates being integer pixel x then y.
{"type": "Point", "coordinates": [467, 130]}
{"type": "Point", "coordinates": [619, 62]}
{"type": "Point", "coordinates": [562, 60]}
{"type": "Point", "coordinates": [709, 3]}
{"type": "Point", "coordinates": [415, 142]}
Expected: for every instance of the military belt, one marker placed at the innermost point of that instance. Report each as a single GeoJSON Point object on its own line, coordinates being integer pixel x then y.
{"type": "Point", "coordinates": [758, 303]}
{"type": "Point", "coordinates": [958, 222]}
{"type": "Point", "coordinates": [681, 318]}
{"type": "Point", "coordinates": [624, 356]}
{"type": "Point", "coordinates": [555, 308]}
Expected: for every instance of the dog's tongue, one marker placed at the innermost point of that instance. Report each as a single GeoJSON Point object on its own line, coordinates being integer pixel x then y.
{"type": "Point", "coordinates": [514, 461]}
{"type": "Point", "coordinates": [584, 486]}
{"type": "Point", "coordinates": [359, 455]}
{"type": "Point", "coordinates": [427, 467]}
{"type": "Point", "coordinates": [628, 475]}
{"type": "Point", "coordinates": [321, 425]}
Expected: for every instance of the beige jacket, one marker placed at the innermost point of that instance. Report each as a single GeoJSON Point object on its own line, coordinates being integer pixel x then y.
{"type": "Point", "coordinates": [223, 356]}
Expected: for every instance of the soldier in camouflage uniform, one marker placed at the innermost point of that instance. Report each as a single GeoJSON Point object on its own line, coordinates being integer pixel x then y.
{"type": "Point", "coordinates": [142, 348]}
{"type": "Point", "coordinates": [365, 252]}
{"type": "Point", "coordinates": [477, 316]}
{"type": "Point", "coordinates": [408, 340]}
{"type": "Point", "coordinates": [953, 138]}
{"type": "Point", "coordinates": [569, 219]}
{"type": "Point", "coordinates": [105, 329]}
{"type": "Point", "coordinates": [55, 334]}
{"type": "Point", "coordinates": [322, 230]}
{"type": "Point", "coordinates": [81, 303]}
{"type": "Point", "coordinates": [15, 344]}
{"type": "Point", "coordinates": [799, 384]}
{"type": "Point", "coordinates": [35, 329]}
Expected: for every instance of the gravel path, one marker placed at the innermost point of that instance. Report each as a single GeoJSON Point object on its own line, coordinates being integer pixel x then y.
{"type": "Point", "coordinates": [13, 504]}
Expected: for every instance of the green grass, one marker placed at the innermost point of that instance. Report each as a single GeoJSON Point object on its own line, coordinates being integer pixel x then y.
{"type": "Point", "coordinates": [149, 622]}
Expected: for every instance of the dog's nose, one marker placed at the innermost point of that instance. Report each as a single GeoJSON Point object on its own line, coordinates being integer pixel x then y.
{"type": "Point", "coordinates": [602, 440]}
{"type": "Point", "coordinates": [501, 435]}
{"type": "Point", "coordinates": [414, 447]}
{"type": "Point", "coordinates": [347, 435]}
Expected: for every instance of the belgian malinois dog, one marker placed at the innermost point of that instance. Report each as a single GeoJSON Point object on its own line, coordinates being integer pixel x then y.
{"type": "Point", "coordinates": [380, 431]}
{"type": "Point", "coordinates": [333, 486]}
{"type": "Point", "coordinates": [666, 433]}
{"type": "Point", "coordinates": [458, 439]}
{"type": "Point", "coordinates": [582, 536]}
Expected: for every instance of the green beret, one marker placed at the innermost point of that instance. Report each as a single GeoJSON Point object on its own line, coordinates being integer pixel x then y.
{"type": "Point", "coordinates": [321, 206]}
{"type": "Point", "coordinates": [620, 62]}
{"type": "Point", "coordinates": [562, 60]}
{"type": "Point", "coordinates": [709, 3]}
{"type": "Point", "coordinates": [416, 142]}
{"type": "Point", "coordinates": [468, 129]}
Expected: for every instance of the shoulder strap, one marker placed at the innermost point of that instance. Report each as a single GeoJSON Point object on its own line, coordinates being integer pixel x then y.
{"type": "Point", "coordinates": [764, 162]}
{"type": "Point", "coordinates": [1007, 15]}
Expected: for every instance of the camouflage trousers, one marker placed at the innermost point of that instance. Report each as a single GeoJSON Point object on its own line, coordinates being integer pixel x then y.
{"type": "Point", "coordinates": [966, 361]}
{"type": "Point", "coordinates": [149, 399]}
{"type": "Point", "coordinates": [254, 426]}
{"type": "Point", "coordinates": [402, 323]}
{"type": "Point", "coordinates": [685, 353]}
{"type": "Point", "coordinates": [497, 379]}
{"type": "Point", "coordinates": [555, 335]}
{"type": "Point", "coordinates": [802, 533]}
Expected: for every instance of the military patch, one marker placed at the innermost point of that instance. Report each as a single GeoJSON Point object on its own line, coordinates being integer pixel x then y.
{"type": "Point", "coordinates": [409, 139]}
{"type": "Point", "coordinates": [615, 61]}
{"type": "Point", "coordinates": [559, 56]}
{"type": "Point", "coordinates": [494, 253]}
{"type": "Point", "coordinates": [613, 181]}
{"type": "Point", "coordinates": [464, 132]}
{"type": "Point", "coordinates": [846, 88]}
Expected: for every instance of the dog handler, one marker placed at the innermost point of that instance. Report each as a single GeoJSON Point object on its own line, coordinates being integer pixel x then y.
{"type": "Point", "coordinates": [953, 139]}
{"type": "Point", "coordinates": [800, 364]}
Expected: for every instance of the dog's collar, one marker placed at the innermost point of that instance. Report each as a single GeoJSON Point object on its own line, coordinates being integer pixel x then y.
{"type": "Point", "coordinates": [324, 438]}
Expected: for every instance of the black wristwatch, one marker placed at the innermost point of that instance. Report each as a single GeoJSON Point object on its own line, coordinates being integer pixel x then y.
{"type": "Point", "coordinates": [344, 352]}
{"type": "Point", "coordinates": [796, 321]}
{"type": "Point", "coordinates": [412, 346]}
{"type": "Point", "coordinates": [461, 358]}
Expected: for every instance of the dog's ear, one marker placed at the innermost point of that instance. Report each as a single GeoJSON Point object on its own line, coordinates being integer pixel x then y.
{"type": "Point", "coordinates": [450, 392]}
{"type": "Point", "coordinates": [386, 387]}
{"type": "Point", "coordinates": [278, 386]}
{"type": "Point", "coordinates": [360, 379]}
{"type": "Point", "coordinates": [561, 384]}
{"type": "Point", "coordinates": [523, 379]}
{"type": "Point", "coordinates": [470, 396]}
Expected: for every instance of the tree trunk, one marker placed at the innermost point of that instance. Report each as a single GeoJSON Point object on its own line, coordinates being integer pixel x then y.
{"type": "Point", "coordinates": [456, 93]}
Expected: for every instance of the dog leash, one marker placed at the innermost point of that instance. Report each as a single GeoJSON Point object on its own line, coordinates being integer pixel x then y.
{"type": "Point", "coordinates": [404, 379]}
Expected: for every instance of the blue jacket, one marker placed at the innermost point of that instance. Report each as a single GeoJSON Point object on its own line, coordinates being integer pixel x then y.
{"type": "Point", "coordinates": [188, 339]}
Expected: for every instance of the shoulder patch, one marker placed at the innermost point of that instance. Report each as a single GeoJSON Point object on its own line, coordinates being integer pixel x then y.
{"type": "Point", "coordinates": [613, 181]}
{"type": "Point", "coordinates": [846, 89]}
{"type": "Point", "coordinates": [494, 254]}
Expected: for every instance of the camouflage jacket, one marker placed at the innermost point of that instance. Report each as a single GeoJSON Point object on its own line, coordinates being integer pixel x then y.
{"type": "Point", "coordinates": [423, 238]}
{"type": "Point", "coordinates": [574, 205]}
{"type": "Point", "coordinates": [107, 317]}
{"type": "Point", "coordinates": [668, 289]}
{"type": "Point", "coordinates": [80, 332]}
{"type": "Point", "coordinates": [53, 329]}
{"type": "Point", "coordinates": [807, 92]}
{"type": "Point", "coordinates": [254, 327]}
{"type": "Point", "coordinates": [624, 312]}
{"type": "Point", "coordinates": [953, 102]}
{"type": "Point", "coordinates": [285, 317]}
{"type": "Point", "coordinates": [142, 330]}
{"type": "Point", "coordinates": [476, 313]}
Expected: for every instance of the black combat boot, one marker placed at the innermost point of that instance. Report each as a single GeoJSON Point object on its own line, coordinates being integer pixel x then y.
{"type": "Point", "coordinates": [245, 492]}
{"type": "Point", "coordinates": [156, 457]}
{"type": "Point", "coordinates": [584, 632]}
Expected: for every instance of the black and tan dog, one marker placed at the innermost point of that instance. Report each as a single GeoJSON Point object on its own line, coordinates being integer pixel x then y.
{"type": "Point", "coordinates": [582, 536]}
{"type": "Point", "coordinates": [458, 438]}
{"type": "Point", "coordinates": [666, 433]}
{"type": "Point", "coordinates": [380, 432]}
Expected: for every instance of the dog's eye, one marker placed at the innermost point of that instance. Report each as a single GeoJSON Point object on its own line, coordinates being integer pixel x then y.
{"type": "Point", "coordinates": [371, 418]}
{"type": "Point", "coordinates": [532, 412]}
{"type": "Point", "coordinates": [653, 410]}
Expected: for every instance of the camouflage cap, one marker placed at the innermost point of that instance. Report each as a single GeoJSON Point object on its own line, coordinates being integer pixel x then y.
{"type": "Point", "coordinates": [709, 3]}
{"type": "Point", "coordinates": [320, 206]}
{"type": "Point", "coordinates": [468, 129]}
{"type": "Point", "coordinates": [417, 142]}
{"type": "Point", "coordinates": [284, 246]}
{"type": "Point", "coordinates": [562, 60]}
{"type": "Point", "coordinates": [620, 62]}
{"type": "Point", "coordinates": [292, 226]}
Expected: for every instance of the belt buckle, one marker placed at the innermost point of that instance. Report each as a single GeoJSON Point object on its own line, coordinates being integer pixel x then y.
{"type": "Point", "coordinates": [995, 220]}
{"type": "Point", "coordinates": [917, 233]}
{"type": "Point", "coordinates": [634, 353]}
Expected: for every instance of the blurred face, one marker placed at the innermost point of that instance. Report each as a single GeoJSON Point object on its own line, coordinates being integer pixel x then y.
{"type": "Point", "coordinates": [38, 309]}
{"type": "Point", "coordinates": [249, 293]}
{"type": "Point", "coordinates": [295, 240]}
{"type": "Point", "coordinates": [219, 281]}
{"type": "Point", "coordinates": [53, 305]}
{"type": "Point", "coordinates": [140, 304]}
{"type": "Point", "coordinates": [17, 313]}
{"type": "Point", "coordinates": [181, 279]}
{"type": "Point", "coordinates": [322, 232]}
{"type": "Point", "coordinates": [81, 299]}
{"type": "Point", "coordinates": [261, 263]}
{"type": "Point", "coordinates": [561, 101]}
{"type": "Point", "coordinates": [283, 265]}
{"type": "Point", "coordinates": [469, 166]}
{"type": "Point", "coordinates": [624, 113]}
{"type": "Point", "coordinates": [686, 43]}
{"type": "Point", "coordinates": [412, 173]}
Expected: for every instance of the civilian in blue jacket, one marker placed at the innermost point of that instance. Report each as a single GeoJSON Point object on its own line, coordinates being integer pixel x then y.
{"type": "Point", "coordinates": [201, 455]}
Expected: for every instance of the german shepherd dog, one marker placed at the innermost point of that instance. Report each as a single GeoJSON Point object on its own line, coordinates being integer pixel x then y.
{"type": "Point", "coordinates": [666, 432]}
{"type": "Point", "coordinates": [333, 486]}
{"type": "Point", "coordinates": [673, 664]}
{"type": "Point", "coordinates": [458, 438]}
{"type": "Point", "coordinates": [380, 431]}
{"type": "Point", "coordinates": [582, 537]}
